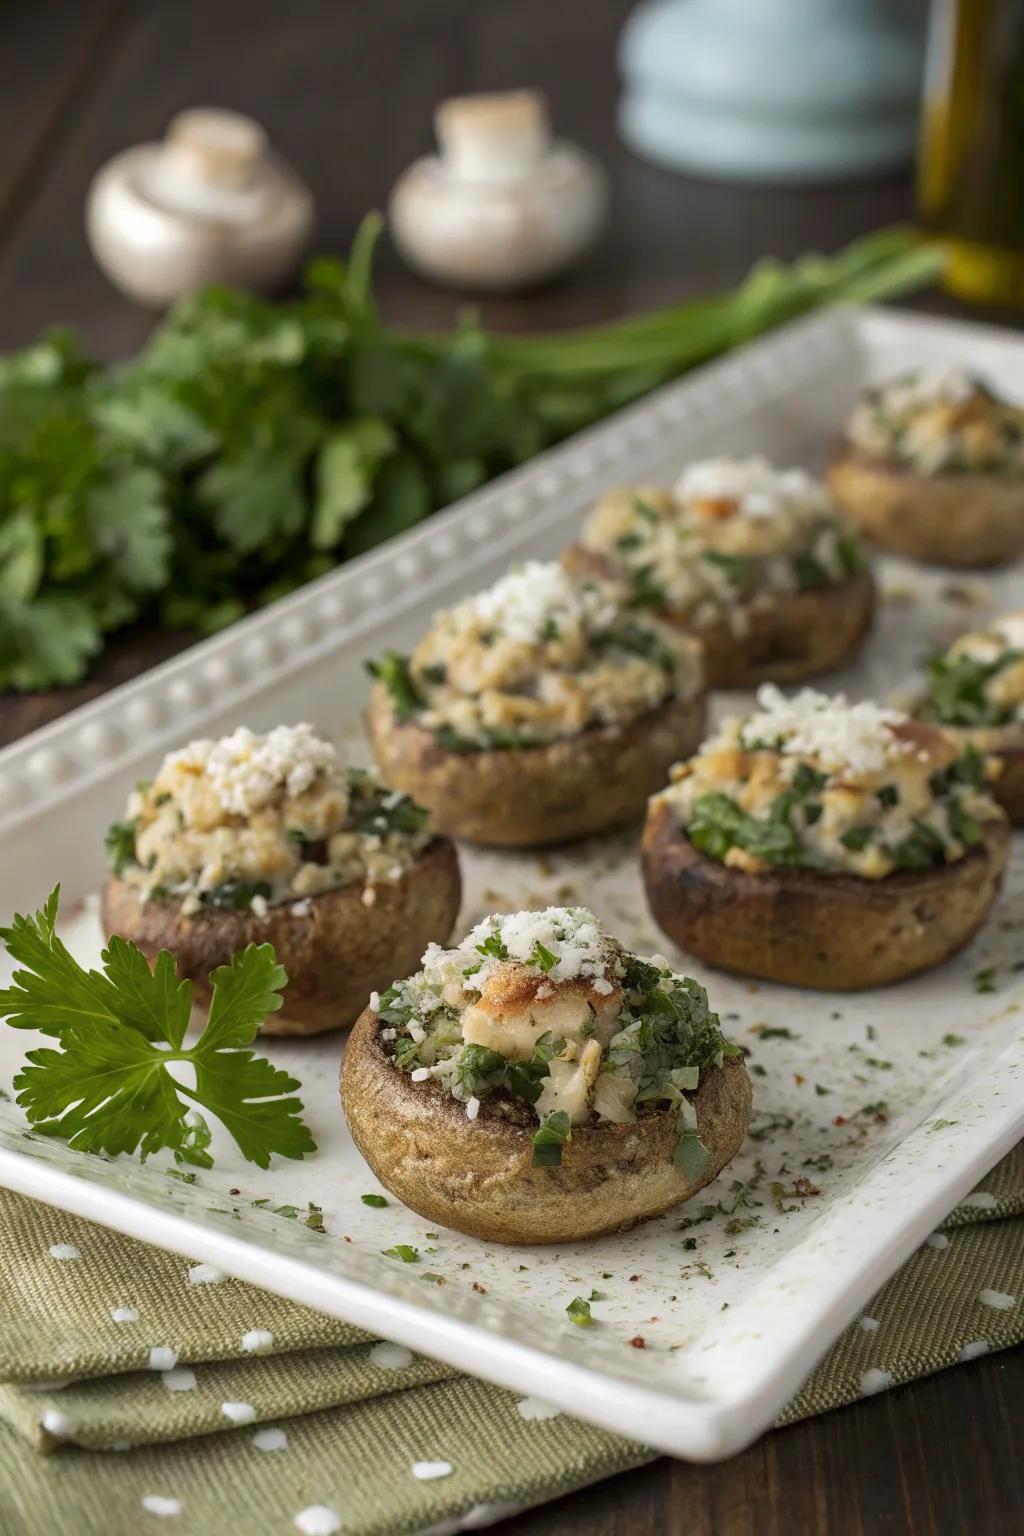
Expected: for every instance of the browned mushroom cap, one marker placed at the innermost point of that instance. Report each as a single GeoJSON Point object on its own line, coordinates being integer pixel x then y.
{"type": "Point", "coordinates": [806, 928]}
{"type": "Point", "coordinates": [965, 519]}
{"type": "Point", "coordinates": [478, 1175]}
{"type": "Point", "coordinates": [780, 638]}
{"type": "Point", "coordinates": [530, 796]}
{"type": "Point", "coordinates": [335, 947]}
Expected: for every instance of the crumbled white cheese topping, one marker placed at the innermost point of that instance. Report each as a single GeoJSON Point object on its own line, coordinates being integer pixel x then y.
{"type": "Point", "coordinates": [238, 1413]}
{"type": "Point", "coordinates": [63, 1251]}
{"type": "Point", "coordinates": [539, 593]}
{"type": "Point", "coordinates": [927, 386]}
{"type": "Point", "coordinates": [572, 934]}
{"type": "Point", "coordinates": [835, 733]}
{"type": "Point", "coordinates": [757, 486]}
{"type": "Point", "coordinates": [1011, 628]}
{"type": "Point", "coordinates": [247, 771]}
{"type": "Point", "coordinates": [124, 1314]}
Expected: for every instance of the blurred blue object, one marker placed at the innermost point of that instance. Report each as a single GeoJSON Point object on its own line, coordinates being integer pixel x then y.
{"type": "Point", "coordinates": [773, 90]}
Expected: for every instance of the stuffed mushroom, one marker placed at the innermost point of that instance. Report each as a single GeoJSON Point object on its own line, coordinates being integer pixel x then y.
{"type": "Point", "coordinates": [752, 560]}
{"type": "Point", "coordinates": [537, 711]}
{"type": "Point", "coordinates": [975, 692]}
{"type": "Point", "coordinates": [932, 466]}
{"type": "Point", "coordinates": [825, 844]}
{"type": "Point", "coordinates": [540, 1084]}
{"type": "Point", "coordinates": [270, 839]}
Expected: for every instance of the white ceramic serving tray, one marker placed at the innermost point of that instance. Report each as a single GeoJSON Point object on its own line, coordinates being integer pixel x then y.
{"type": "Point", "coordinates": [734, 1310]}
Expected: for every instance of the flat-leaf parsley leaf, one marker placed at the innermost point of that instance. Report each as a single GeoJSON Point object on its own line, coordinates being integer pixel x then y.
{"type": "Point", "coordinates": [109, 1087]}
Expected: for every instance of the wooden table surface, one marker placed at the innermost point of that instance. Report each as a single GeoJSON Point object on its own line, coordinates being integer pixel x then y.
{"type": "Point", "coordinates": [346, 88]}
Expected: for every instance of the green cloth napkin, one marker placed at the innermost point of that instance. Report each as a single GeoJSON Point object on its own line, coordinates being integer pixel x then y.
{"type": "Point", "coordinates": [238, 1411]}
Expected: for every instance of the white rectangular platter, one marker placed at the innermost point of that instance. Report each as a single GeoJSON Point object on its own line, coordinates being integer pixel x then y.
{"type": "Point", "coordinates": [888, 1106]}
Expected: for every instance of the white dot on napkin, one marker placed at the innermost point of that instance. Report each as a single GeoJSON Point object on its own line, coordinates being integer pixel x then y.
{"type": "Point", "coordinates": [206, 1274]}
{"type": "Point", "coordinates": [270, 1439]}
{"type": "Point", "coordinates": [998, 1299]}
{"type": "Point", "coordinates": [536, 1408]}
{"type": "Point", "coordinates": [157, 1504]}
{"type": "Point", "coordinates": [64, 1251]}
{"type": "Point", "coordinates": [390, 1357]}
{"type": "Point", "coordinates": [238, 1413]}
{"type": "Point", "coordinates": [57, 1424]}
{"type": "Point", "coordinates": [318, 1520]}
{"type": "Point", "coordinates": [257, 1339]}
{"type": "Point", "coordinates": [179, 1380]}
{"type": "Point", "coordinates": [874, 1381]}
{"type": "Point", "coordinates": [427, 1471]}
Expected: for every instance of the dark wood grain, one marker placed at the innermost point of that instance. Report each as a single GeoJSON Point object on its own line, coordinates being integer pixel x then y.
{"type": "Point", "coordinates": [939, 1457]}
{"type": "Point", "coordinates": [346, 89]}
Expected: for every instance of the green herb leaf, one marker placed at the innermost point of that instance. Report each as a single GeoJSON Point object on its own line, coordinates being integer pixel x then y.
{"type": "Point", "coordinates": [402, 1251]}
{"type": "Point", "coordinates": [578, 1312]}
{"type": "Point", "coordinates": [109, 1088]}
{"type": "Point", "coordinates": [392, 669]}
{"type": "Point", "coordinates": [120, 844]}
{"type": "Point", "coordinates": [549, 1138]}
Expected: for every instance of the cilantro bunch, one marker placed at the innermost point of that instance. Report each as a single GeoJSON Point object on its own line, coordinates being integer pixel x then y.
{"type": "Point", "coordinates": [109, 1087]}
{"type": "Point", "coordinates": [251, 446]}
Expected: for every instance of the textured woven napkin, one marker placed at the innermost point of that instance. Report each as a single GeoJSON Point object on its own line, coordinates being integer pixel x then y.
{"type": "Point", "coordinates": [238, 1411]}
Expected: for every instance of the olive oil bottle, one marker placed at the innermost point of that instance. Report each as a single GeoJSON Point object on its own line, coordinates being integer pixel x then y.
{"type": "Point", "coordinates": [971, 168]}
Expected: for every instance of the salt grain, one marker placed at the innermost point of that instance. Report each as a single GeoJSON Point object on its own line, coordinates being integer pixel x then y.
{"type": "Point", "coordinates": [472, 1108]}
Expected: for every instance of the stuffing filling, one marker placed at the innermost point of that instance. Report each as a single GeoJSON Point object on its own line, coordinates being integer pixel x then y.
{"type": "Point", "coordinates": [733, 534]}
{"type": "Point", "coordinates": [539, 656]}
{"type": "Point", "coordinates": [547, 1010]}
{"type": "Point", "coordinates": [979, 680]}
{"type": "Point", "coordinates": [253, 820]}
{"type": "Point", "coordinates": [939, 422]}
{"type": "Point", "coordinates": [817, 783]}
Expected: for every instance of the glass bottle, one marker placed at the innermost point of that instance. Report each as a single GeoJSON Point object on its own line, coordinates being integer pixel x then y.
{"type": "Point", "coordinates": [971, 168]}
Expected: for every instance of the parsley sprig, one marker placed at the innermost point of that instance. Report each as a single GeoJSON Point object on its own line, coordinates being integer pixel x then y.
{"type": "Point", "coordinates": [109, 1087]}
